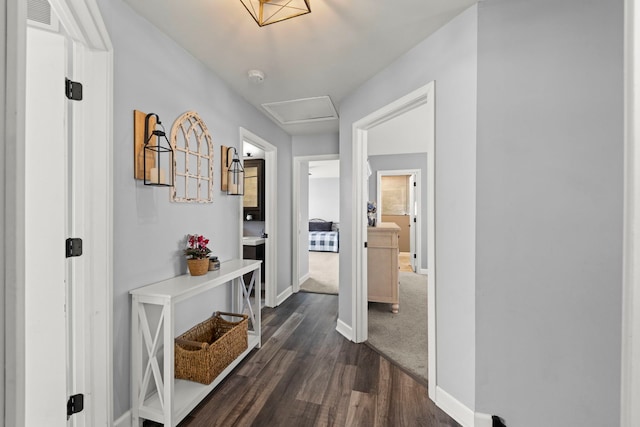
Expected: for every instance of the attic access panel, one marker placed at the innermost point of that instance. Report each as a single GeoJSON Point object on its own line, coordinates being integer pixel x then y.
{"type": "Point", "coordinates": [304, 110]}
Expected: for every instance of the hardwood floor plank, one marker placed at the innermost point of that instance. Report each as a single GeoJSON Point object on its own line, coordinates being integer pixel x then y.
{"type": "Point", "coordinates": [319, 373]}
{"type": "Point", "coordinates": [254, 366]}
{"type": "Point", "coordinates": [367, 374]}
{"type": "Point", "coordinates": [362, 407]}
{"type": "Point", "coordinates": [335, 404]}
{"type": "Point", "coordinates": [246, 409]}
{"type": "Point", "coordinates": [384, 397]}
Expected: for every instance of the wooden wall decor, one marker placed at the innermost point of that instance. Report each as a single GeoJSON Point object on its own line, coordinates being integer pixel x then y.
{"type": "Point", "coordinates": [138, 145]}
{"type": "Point", "coordinates": [193, 160]}
{"type": "Point", "coordinates": [223, 168]}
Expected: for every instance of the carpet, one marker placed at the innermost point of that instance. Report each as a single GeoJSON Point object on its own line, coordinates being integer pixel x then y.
{"type": "Point", "coordinates": [402, 337]}
{"type": "Point", "coordinates": [323, 273]}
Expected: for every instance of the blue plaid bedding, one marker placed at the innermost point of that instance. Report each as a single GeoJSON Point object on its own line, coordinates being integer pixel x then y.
{"type": "Point", "coordinates": [323, 241]}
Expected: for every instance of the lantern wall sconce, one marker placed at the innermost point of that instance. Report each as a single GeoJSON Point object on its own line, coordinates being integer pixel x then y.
{"type": "Point", "coordinates": [235, 173]}
{"type": "Point", "coordinates": [266, 12]}
{"type": "Point", "coordinates": [152, 150]}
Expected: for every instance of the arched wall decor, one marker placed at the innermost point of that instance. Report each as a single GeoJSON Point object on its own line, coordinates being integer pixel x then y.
{"type": "Point", "coordinates": [193, 160]}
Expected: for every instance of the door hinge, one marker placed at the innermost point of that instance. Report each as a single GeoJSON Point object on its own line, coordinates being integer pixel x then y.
{"type": "Point", "coordinates": [415, 256]}
{"type": "Point", "coordinates": [415, 184]}
{"type": "Point", "coordinates": [365, 245]}
{"type": "Point", "coordinates": [75, 404]}
{"type": "Point", "coordinates": [415, 219]}
{"type": "Point", "coordinates": [73, 247]}
{"type": "Point", "coordinates": [73, 90]}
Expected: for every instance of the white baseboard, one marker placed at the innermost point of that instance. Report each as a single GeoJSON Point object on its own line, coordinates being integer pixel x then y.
{"type": "Point", "coordinates": [124, 420]}
{"type": "Point", "coordinates": [424, 271]}
{"type": "Point", "coordinates": [454, 408]}
{"type": "Point", "coordinates": [282, 297]}
{"type": "Point", "coordinates": [304, 279]}
{"type": "Point", "coordinates": [344, 330]}
{"type": "Point", "coordinates": [483, 420]}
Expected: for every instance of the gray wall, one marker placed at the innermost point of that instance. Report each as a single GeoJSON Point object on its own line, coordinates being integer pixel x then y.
{"type": "Point", "coordinates": [316, 144]}
{"type": "Point", "coordinates": [324, 198]}
{"type": "Point", "coordinates": [3, 156]}
{"type": "Point", "coordinates": [153, 74]}
{"type": "Point", "coordinates": [398, 162]}
{"type": "Point", "coordinates": [549, 211]}
{"type": "Point", "coordinates": [449, 57]}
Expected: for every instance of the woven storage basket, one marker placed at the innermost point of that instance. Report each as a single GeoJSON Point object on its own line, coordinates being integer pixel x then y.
{"type": "Point", "coordinates": [205, 350]}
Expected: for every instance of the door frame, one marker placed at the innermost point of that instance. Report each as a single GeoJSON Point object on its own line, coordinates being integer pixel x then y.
{"type": "Point", "coordinates": [630, 372]}
{"type": "Point", "coordinates": [416, 232]}
{"type": "Point", "coordinates": [296, 223]}
{"type": "Point", "coordinates": [421, 96]}
{"type": "Point", "coordinates": [83, 22]}
{"type": "Point", "coordinates": [270, 213]}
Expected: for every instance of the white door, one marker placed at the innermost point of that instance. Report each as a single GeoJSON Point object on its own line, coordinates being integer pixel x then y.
{"type": "Point", "coordinates": [45, 223]}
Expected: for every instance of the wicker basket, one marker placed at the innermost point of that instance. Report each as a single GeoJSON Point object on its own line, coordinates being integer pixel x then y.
{"type": "Point", "coordinates": [205, 350]}
{"type": "Point", "coordinates": [198, 266]}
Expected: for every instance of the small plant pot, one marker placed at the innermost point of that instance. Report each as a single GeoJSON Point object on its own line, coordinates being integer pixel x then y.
{"type": "Point", "coordinates": [198, 267]}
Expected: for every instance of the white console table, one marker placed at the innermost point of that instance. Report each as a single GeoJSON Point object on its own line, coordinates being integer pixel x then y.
{"type": "Point", "coordinates": [155, 394]}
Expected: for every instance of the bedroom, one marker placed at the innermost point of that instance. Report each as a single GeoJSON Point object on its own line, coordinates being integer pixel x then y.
{"type": "Point", "coordinates": [318, 258]}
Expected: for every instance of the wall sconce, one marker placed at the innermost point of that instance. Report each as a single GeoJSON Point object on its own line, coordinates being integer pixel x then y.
{"type": "Point", "coordinates": [153, 158]}
{"type": "Point", "coordinates": [159, 151]}
{"type": "Point", "coordinates": [235, 174]}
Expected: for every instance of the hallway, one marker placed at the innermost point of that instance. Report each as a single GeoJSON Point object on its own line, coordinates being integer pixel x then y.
{"type": "Point", "coordinates": [306, 374]}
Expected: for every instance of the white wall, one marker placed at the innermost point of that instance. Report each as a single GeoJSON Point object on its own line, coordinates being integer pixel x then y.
{"type": "Point", "coordinates": [549, 211]}
{"type": "Point", "coordinates": [449, 57]}
{"type": "Point", "coordinates": [303, 237]}
{"type": "Point", "coordinates": [153, 74]}
{"type": "Point", "coordinates": [324, 198]}
{"type": "Point", "coordinates": [398, 162]}
{"type": "Point", "coordinates": [405, 134]}
{"type": "Point", "coordinates": [316, 144]}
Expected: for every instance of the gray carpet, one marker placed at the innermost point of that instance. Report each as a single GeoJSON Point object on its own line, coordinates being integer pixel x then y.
{"type": "Point", "coordinates": [323, 273]}
{"type": "Point", "coordinates": [402, 337]}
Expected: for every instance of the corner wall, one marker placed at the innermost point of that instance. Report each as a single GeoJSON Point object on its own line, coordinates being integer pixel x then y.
{"type": "Point", "coordinates": [549, 212]}
{"type": "Point", "coordinates": [449, 57]}
{"type": "Point", "coordinates": [153, 74]}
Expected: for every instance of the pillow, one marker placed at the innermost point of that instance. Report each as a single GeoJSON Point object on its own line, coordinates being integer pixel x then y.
{"type": "Point", "coordinates": [320, 226]}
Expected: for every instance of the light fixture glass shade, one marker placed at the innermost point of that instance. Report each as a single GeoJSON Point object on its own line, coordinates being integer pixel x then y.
{"type": "Point", "coordinates": [235, 176]}
{"type": "Point", "coordinates": [158, 155]}
{"type": "Point", "coordinates": [266, 12]}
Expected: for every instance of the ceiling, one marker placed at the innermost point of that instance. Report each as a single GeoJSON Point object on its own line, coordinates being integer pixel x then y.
{"type": "Point", "coordinates": [329, 52]}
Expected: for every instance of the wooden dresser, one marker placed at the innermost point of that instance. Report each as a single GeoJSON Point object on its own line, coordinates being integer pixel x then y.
{"type": "Point", "coordinates": [382, 264]}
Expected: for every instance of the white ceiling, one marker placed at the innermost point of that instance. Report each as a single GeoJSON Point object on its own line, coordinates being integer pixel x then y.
{"type": "Point", "coordinates": [331, 51]}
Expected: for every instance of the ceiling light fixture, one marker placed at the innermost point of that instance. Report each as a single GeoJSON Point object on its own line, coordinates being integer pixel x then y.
{"type": "Point", "coordinates": [266, 12]}
{"type": "Point", "coordinates": [255, 76]}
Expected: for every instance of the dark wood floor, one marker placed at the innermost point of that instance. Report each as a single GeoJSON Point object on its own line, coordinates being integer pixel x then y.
{"type": "Point", "coordinates": [306, 374]}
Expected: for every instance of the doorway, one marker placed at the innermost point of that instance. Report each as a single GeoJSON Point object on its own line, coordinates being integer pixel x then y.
{"type": "Point", "coordinates": [398, 193]}
{"type": "Point", "coordinates": [302, 213]}
{"type": "Point", "coordinates": [423, 96]}
{"type": "Point", "coordinates": [258, 223]}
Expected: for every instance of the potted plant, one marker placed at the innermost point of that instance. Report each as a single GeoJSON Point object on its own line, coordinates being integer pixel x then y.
{"type": "Point", "coordinates": [197, 254]}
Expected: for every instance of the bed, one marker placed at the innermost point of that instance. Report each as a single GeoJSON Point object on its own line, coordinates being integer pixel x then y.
{"type": "Point", "coordinates": [323, 236]}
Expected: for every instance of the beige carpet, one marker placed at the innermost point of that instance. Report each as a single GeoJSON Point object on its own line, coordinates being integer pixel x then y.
{"type": "Point", "coordinates": [402, 337]}
{"type": "Point", "coordinates": [323, 273]}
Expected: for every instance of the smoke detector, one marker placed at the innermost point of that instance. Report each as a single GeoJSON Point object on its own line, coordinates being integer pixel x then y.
{"type": "Point", "coordinates": [256, 76]}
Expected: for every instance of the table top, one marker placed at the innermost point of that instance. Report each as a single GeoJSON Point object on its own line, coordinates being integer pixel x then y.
{"type": "Point", "coordinates": [186, 285]}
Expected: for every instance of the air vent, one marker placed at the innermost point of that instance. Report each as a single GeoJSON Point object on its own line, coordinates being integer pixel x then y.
{"type": "Point", "coordinates": [39, 14]}
{"type": "Point", "coordinates": [303, 110]}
